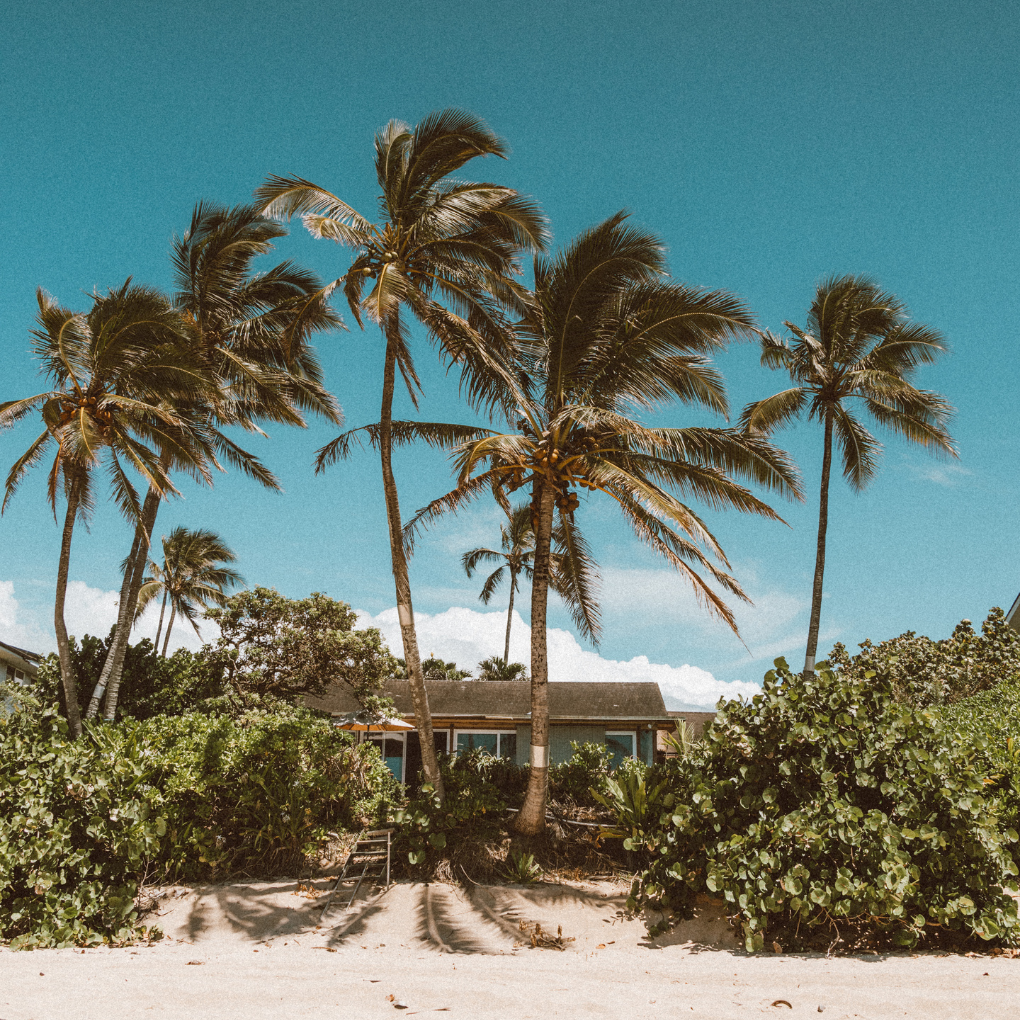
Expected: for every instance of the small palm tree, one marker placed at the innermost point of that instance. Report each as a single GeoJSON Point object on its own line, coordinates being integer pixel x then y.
{"type": "Point", "coordinates": [515, 557]}
{"type": "Point", "coordinates": [495, 668]}
{"type": "Point", "coordinates": [858, 346]}
{"type": "Point", "coordinates": [606, 337]}
{"type": "Point", "coordinates": [117, 370]}
{"type": "Point", "coordinates": [444, 252]}
{"type": "Point", "coordinates": [192, 577]}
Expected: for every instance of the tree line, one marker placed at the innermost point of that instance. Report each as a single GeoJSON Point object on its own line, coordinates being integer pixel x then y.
{"type": "Point", "coordinates": [145, 384]}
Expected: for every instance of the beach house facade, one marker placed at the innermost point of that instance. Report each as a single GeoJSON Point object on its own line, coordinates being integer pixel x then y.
{"type": "Point", "coordinates": [496, 715]}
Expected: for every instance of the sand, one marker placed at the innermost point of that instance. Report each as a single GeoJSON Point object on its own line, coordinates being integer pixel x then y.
{"type": "Point", "coordinates": [253, 951]}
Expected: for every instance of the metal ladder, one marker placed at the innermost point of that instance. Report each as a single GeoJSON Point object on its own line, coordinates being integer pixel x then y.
{"type": "Point", "coordinates": [369, 860]}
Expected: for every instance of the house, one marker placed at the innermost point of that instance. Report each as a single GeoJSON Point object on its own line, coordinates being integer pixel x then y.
{"type": "Point", "coordinates": [496, 715]}
{"type": "Point", "coordinates": [1013, 616]}
{"type": "Point", "coordinates": [18, 665]}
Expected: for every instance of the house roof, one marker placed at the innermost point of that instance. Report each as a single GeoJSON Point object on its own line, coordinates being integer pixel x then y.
{"type": "Point", "coordinates": [30, 659]}
{"type": "Point", "coordinates": [510, 699]}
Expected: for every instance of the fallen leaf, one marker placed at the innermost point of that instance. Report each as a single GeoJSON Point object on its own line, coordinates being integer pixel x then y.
{"type": "Point", "coordinates": [601, 945]}
{"type": "Point", "coordinates": [777, 948]}
{"type": "Point", "coordinates": [195, 963]}
{"type": "Point", "coordinates": [782, 1002]}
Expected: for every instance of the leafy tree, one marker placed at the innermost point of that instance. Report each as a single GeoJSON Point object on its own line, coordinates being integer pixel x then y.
{"type": "Point", "coordinates": [154, 685]}
{"type": "Point", "coordinates": [495, 668]}
{"type": "Point", "coordinates": [858, 345]}
{"type": "Point", "coordinates": [251, 331]}
{"type": "Point", "coordinates": [193, 576]}
{"type": "Point", "coordinates": [117, 370]}
{"type": "Point", "coordinates": [607, 336]}
{"type": "Point", "coordinates": [436, 669]}
{"type": "Point", "coordinates": [923, 672]}
{"type": "Point", "coordinates": [444, 253]}
{"type": "Point", "coordinates": [271, 645]}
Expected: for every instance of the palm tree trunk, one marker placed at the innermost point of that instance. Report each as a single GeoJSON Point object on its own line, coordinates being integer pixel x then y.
{"type": "Point", "coordinates": [63, 647]}
{"type": "Point", "coordinates": [159, 629]}
{"type": "Point", "coordinates": [113, 668]}
{"type": "Point", "coordinates": [405, 611]}
{"type": "Point", "coordinates": [510, 616]}
{"type": "Point", "coordinates": [169, 627]}
{"type": "Point", "coordinates": [125, 591]}
{"type": "Point", "coordinates": [823, 524]}
{"type": "Point", "coordinates": [531, 820]}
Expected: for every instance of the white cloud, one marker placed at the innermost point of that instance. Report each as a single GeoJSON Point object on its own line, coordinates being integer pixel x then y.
{"type": "Point", "coordinates": [17, 627]}
{"type": "Point", "coordinates": [946, 474]}
{"type": "Point", "coordinates": [87, 610]}
{"type": "Point", "coordinates": [467, 636]}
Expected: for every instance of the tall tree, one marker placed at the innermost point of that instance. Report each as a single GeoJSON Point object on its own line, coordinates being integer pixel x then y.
{"type": "Point", "coordinates": [252, 332]}
{"type": "Point", "coordinates": [193, 576]}
{"type": "Point", "coordinates": [444, 252]}
{"type": "Point", "coordinates": [858, 350]}
{"type": "Point", "coordinates": [609, 336]}
{"type": "Point", "coordinates": [115, 370]}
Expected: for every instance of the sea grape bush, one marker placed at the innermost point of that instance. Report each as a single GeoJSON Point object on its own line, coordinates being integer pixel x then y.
{"type": "Point", "coordinates": [991, 721]}
{"type": "Point", "coordinates": [823, 801]}
{"type": "Point", "coordinates": [924, 672]}
{"type": "Point", "coordinates": [83, 823]}
{"type": "Point", "coordinates": [259, 791]}
{"type": "Point", "coordinates": [78, 822]}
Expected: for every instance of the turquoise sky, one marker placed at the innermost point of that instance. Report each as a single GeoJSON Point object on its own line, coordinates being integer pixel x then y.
{"type": "Point", "coordinates": [769, 145]}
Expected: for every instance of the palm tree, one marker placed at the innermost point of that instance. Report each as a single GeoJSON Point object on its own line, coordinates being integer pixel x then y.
{"type": "Point", "coordinates": [444, 252]}
{"type": "Point", "coordinates": [192, 577]}
{"type": "Point", "coordinates": [114, 369]}
{"type": "Point", "coordinates": [495, 668]}
{"type": "Point", "coordinates": [858, 345]}
{"type": "Point", "coordinates": [515, 556]}
{"type": "Point", "coordinates": [606, 337]}
{"type": "Point", "coordinates": [252, 332]}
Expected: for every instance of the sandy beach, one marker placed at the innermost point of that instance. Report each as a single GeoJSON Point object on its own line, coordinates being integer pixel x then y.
{"type": "Point", "coordinates": [255, 951]}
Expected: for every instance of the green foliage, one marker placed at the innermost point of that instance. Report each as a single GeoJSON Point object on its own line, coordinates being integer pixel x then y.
{"type": "Point", "coordinates": [522, 867]}
{"type": "Point", "coordinates": [924, 672]}
{"type": "Point", "coordinates": [823, 801]}
{"type": "Point", "coordinates": [497, 668]}
{"type": "Point", "coordinates": [479, 789]}
{"type": "Point", "coordinates": [583, 778]}
{"type": "Point", "coordinates": [151, 685]}
{"type": "Point", "coordinates": [185, 797]}
{"type": "Point", "coordinates": [259, 792]}
{"type": "Point", "coordinates": [78, 821]}
{"type": "Point", "coordinates": [436, 669]}
{"type": "Point", "coordinates": [284, 647]}
{"type": "Point", "coordinates": [637, 802]}
{"type": "Point", "coordinates": [990, 721]}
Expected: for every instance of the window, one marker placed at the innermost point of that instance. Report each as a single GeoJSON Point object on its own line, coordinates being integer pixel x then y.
{"type": "Point", "coordinates": [391, 747]}
{"type": "Point", "coordinates": [498, 743]}
{"type": "Point", "coordinates": [621, 745]}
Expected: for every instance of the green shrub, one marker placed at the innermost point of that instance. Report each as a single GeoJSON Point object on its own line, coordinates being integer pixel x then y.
{"type": "Point", "coordinates": [990, 722]}
{"type": "Point", "coordinates": [581, 779]}
{"type": "Point", "coordinates": [826, 802]}
{"type": "Point", "coordinates": [479, 789]}
{"type": "Point", "coordinates": [259, 792]}
{"type": "Point", "coordinates": [83, 822]}
{"type": "Point", "coordinates": [924, 672]}
{"type": "Point", "coordinates": [78, 821]}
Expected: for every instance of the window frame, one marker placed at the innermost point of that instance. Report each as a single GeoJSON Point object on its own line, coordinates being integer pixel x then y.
{"type": "Point", "coordinates": [633, 734]}
{"type": "Point", "coordinates": [498, 734]}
